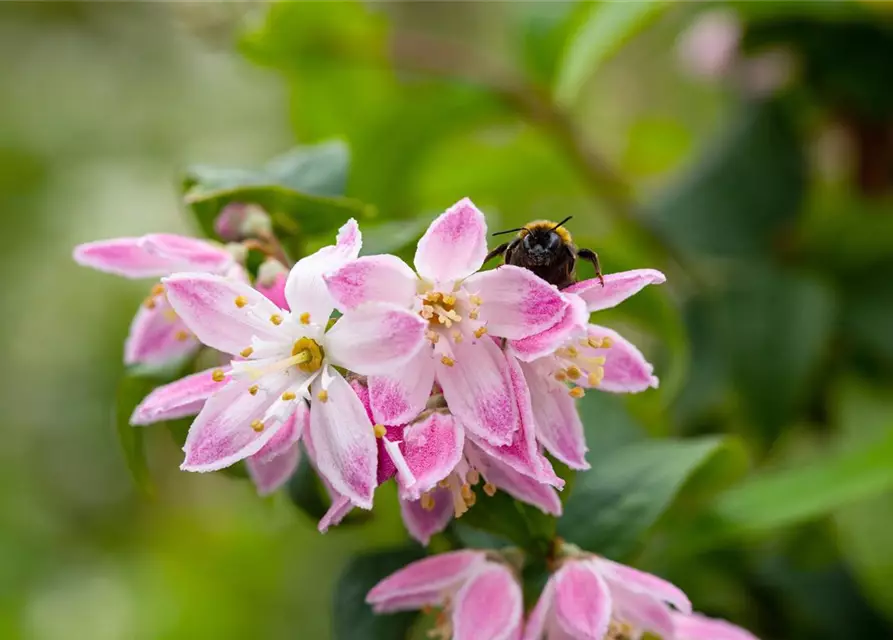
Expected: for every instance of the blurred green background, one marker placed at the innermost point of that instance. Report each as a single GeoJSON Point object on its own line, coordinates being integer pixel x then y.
{"type": "Point", "coordinates": [746, 149]}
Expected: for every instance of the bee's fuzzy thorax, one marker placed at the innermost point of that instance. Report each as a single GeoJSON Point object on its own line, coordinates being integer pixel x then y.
{"type": "Point", "coordinates": [548, 225]}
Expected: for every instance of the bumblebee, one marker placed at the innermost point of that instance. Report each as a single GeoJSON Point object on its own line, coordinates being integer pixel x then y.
{"type": "Point", "coordinates": [546, 249]}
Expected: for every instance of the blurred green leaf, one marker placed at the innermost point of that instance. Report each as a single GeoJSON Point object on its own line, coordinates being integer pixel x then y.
{"type": "Point", "coordinates": [131, 391]}
{"type": "Point", "coordinates": [616, 502]}
{"type": "Point", "coordinates": [607, 28]}
{"type": "Point", "coordinates": [305, 491]}
{"type": "Point", "coordinates": [353, 618]}
{"type": "Point", "coordinates": [503, 516]}
{"type": "Point", "coordinates": [390, 237]}
{"type": "Point", "coordinates": [743, 193]}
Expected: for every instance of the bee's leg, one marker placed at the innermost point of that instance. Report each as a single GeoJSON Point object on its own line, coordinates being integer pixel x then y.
{"type": "Point", "coordinates": [592, 256]}
{"type": "Point", "coordinates": [498, 251]}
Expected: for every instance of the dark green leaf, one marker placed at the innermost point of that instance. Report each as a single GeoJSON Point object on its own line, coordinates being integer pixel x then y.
{"type": "Point", "coordinates": [354, 619]}
{"type": "Point", "coordinates": [503, 516]}
{"type": "Point", "coordinates": [131, 390]}
{"type": "Point", "coordinates": [305, 491]}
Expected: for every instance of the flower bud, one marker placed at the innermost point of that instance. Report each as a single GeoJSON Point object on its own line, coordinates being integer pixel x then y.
{"type": "Point", "coordinates": [238, 221]}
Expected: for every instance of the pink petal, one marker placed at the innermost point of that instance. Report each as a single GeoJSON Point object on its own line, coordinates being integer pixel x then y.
{"type": "Point", "coordinates": [618, 287]}
{"type": "Point", "coordinates": [432, 448]}
{"type": "Point", "coordinates": [572, 324]}
{"type": "Point", "coordinates": [698, 627]}
{"type": "Point", "coordinates": [187, 254]}
{"type": "Point", "coordinates": [184, 397]}
{"type": "Point", "coordinates": [123, 257]}
{"type": "Point", "coordinates": [642, 612]}
{"type": "Point", "coordinates": [626, 370]}
{"type": "Point", "coordinates": [455, 244]}
{"type": "Point", "coordinates": [375, 339]}
{"type": "Point", "coordinates": [558, 424]}
{"type": "Point", "coordinates": [421, 523]}
{"type": "Point", "coordinates": [644, 583]}
{"type": "Point", "coordinates": [383, 278]}
{"type": "Point", "coordinates": [289, 434]}
{"type": "Point", "coordinates": [478, 390]}
{"type": "Point", "coordinates": [582, 602]}
{"type": "Point", "coordinates": [435, 575]}
{"type": "Point", "coordinates": [269, 474]}
{"type": "Point", "coordinates": [401, 396]}
{"type": "Point", "coordinates": [158, 336]}
{"type": "Point", "coordinates": [305, 289]}
{"type": "Point", "coordinates": [523, 488]}
{"type": "Point", "coordinates": [522, 454]}
{"type": "Point", "coordinates": [343, 441]}
{"type": "Point", "coordinates": [489, 606]}
{"type": "Point", "coordinates": [516, 303]}
{"type": "Point", "coordinates": [222, 434]}
{"type": "Point", "coordinates": [537, 623]}
{"type": "Point", "coordinates": [207, 304]}
{"type": "Point", "coordinates": [274, 290]}
{"type": "Point", "coordinates": [341, 506]}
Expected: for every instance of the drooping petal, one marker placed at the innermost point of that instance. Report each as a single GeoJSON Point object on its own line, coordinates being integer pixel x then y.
{"type": "Point", "coordinates": [432, 448]}
{"type": "Point", "coordinates": [558, 424]}
{"type": "Point", "coordinates": [305, 289]}
{"type": "Point", "coordinates": [343, 441]}
{"type": "Point", "coordinates": [522, 453]}
{"type": "Point", "coordinates": [274, 289]}
{"type": "Point", "coordinates": [184, 397]}
{"type": "Point", "coordinates": [582, 602]}
{"type": "Point", "coordinates": [489, 606]}
{"type": "Point", "coordinates": [224, 314]}
{"type": "Point", "coordinates": [288, 434]}
{"type": "Point", "coordinates": [455, 244]}
{"type": "Point", "coordinates": [158, 336]}
{"type": "Point", "coordinates": [642, 612]}
{"type": "Point", "coordinates": [123, 257]}
{"type": "Point", "coordinates": [571, 325]}
{"type": "Point", "coordinates": [626, 369]}
{"type": "Point", "coordinates": [377, 338]}
{"type": "Point", "coordinates": [222, 433]}
{"type": "Point", "coordinates": [431, 577]}
{"type": "Point", "coordinates": [399, 397]}
{"type": "Point", "coordinates": [523, 488]}
{"type": "Point", "coordinates": [422, 523]}
{"type": "Point", "coordinates": [382, 278]}
{"type": "Point", "coordinates": [620, 575]}
{"type": "Point", "coordinates": [187, 254]}
{"type": "Point", "coordinates": [515, 302]}
{"type": "Point", "coordinates": [618, 287]}
{"type": "Point", "coordinates": [340, 507]}
{"type": "Point", "coordinates": [698, 627]}
{"type": "Point", "coordinates": [269, 473]}
{"type": "Point", "coordinates": [478, 390]}
{"type": "Point", "coordinates": [538, 622]}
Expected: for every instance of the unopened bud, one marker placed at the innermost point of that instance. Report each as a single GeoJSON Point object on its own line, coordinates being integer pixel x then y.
{"type": "Point", "coordinates": [271, 278]}
{"type": "Point", "coordinates": [238, 221]}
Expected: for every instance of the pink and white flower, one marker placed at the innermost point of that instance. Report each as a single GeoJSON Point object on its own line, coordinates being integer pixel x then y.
{"type": "Point", "coordinates": [459, 306]}
{"type": "Point", "coordinates": [287, 357]}
{"type": "Point", "coordinates": [585, 355]}
{"type": "Point", "coordinates": [157, 334]}
{"type": "Point", "coordinates": [480, 596]}
{"type": "Point", "coordinates": [698, 627]}
{"type": "Point", "coordinates": [590, 596]}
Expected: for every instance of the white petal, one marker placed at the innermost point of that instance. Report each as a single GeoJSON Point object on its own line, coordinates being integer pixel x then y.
{"type": "Point", "coordinates": [455, 244]}
{"type": "Point", "coordinates": [376, 338]}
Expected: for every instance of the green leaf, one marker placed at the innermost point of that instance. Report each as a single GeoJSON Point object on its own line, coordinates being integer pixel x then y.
{"type": "Point", "coordinates": [305, 491]}
{"type": "Point", "coordinates": [609, 26]}
{"type": "Point", "coordinates": [354, 619]}
{"type": "Point", "coordinates": [503, 516]}
{"type": "Point", "coordinates": [616, 502]}
{"type": "Point", "coordinates": [131, 391]}
{"type": "Point", "coordinates": [390, 237]}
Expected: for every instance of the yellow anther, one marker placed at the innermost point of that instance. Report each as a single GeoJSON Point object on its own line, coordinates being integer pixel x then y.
{"type": "Point", "coordinates": [576, 392]}
{"type": "Point", "coordinates": [170, 315]}
{"type": "Point", "coordinates": [457, 336]}
{"type": "Point", "coordinates": [473, 477]}
{"type": "Point", "coordinates": [380, 430]}
{"type": "Point", "coordinates": [217, 375]}
{"type": "Point", "coordinates": [427, 501]}
{"type": "Point", "coordinates": [607, 343]}
{"type": "Point", "coordinates": [471, 499]}
{"type": "Point", "coordinates": [448, 361]}
{"type": "Point", "coordinates": [573, 372]}
{"type": "Point", "coordinates": [158, 289]}
{"type": "Point", "coordinates": [247, 351]}
{"type": "Point", "coordinates": [480, 331]}
{"type": "Point", "coordinates": [449, 300]}
{"type": "Point", "coordinates": [434, 296]}
{"type": "Point", "coordinates": [181, 335]}
{"type": "Point", "coordinates": [433, 336]}
{"type": "Point", "coordinates": [253, 389]}
{"type": "Point", "coordinates": [257, 425]}
{"type": "Point", "coordinates": [149, 303]}
{"type": "Point", "coordinates": [595, 378]}
{"type": "Point", "coordinates": [466, 492]}
{"type": "Point", "coordinates": [475, 299]}
{"type": "Point", "coordinates": [572, 351]}
{"type": "Point", "coordinates": [304, 318]}
{"type": "Point", "coordinates": [288, 395]}
{"type": "Point", "coordinates": [561, 375]}
{"type": "Point", "coordinates": [323, 396]}
{"type": "Point", "coordinates": [473, 314]}
{"type": "Point", "coordinates": [444, 484]}
{"type": "Point", "coordinates": [241, 301]}
{"type": "Point", "coordinates": [490, 489]}
{"type": "Point", "coordinates": [427, 312]}
{"type": "Point", "coordinates": [597, 360]}
{"type": "Point", "coordinates": [307, 355]}
{"type": "Point", "coordinates": [276, 319]}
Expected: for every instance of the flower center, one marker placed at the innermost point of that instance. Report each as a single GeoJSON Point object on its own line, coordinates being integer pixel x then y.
{"type": "Point", "coordinates": [307, 355]}
{"type": "Point", "coordinates": [439, 309]}
{"type": "Point", "coordinates": [579, 366]}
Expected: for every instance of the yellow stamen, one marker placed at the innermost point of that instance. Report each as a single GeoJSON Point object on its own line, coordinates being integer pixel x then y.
{"type": "Point", "coordinates": [473, 477]}
{"type": "Point", "coordinates": [573, 372]}
{"type": "Point", "coordinates": [457, 336]}
{"type": "Point", "coordinates": [158, 289]}
{"type": "Point", "coordinates": [444, 484]}
{"type": "Point", "coordinates": [276, 319]}
{"type": "Point", "coordinates": [449, 300]}
{"type": "Point", "coordinates": [480, 331]}
{"type": "Point", "coordinates": [247, 351]}
{"type": "Point", "coordinates": [149, 303]}
{"type": "Point", "coordinates": [257, 425]}
{"type": "Point", "coordinates": [490, 489]}
{"type": "Point", "coordinates": [471, 499]}
{"type": "Point", "coordinates": [217, 375]}
{"type": "Point", "coordinates": [432, 336]}
{"type": "Point", "coordinates": [380, 430]}
{"type": "Point", "coordinates": [241, 301]}
{"type": "Point", "coordinates": [561, 375]}
{"type": "Point", "coordinates": [476, 299]}
{"type": "Point", "coordinates": [308, 355]}
{"type": "Point", "coordinates": [181, 335]}
{"type": "Point", "coordinates": [288, 395]}
{"type": "Point", "coordinates": [323, 396]}
{"type": "Point", "coordinates": [576, 392]}
{"type": "Point", "coordinates": [595, 378]}
{"type": "Point", "coordinates": [434, 296]}
{"type": "Point", "coordinates": [466, 492]}
{"type": "Point", "coordinates": [304, 318]}
{"type": "Point", "coordinates": [170, 315]}
{"type": "Point", "coordinates": [448, 361]}
{"type": "Point", "coordinates": [427, 501]}
{"type": "Point", "coordinates": [253, 389]}
{"type": "Point", "coordinates": [473, 314]}
{"type": "Point", "coordinates": [607, 343]}
{"type": "Point", "coordinates": [572, 351]}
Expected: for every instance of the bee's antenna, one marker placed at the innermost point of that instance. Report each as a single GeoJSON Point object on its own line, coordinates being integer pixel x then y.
{"type": "Point", "coordinates": [561, 223]}
{"type": "Point", "coordinates": [500, 233]}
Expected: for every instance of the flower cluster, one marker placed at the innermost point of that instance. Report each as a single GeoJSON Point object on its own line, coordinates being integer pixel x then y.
{"type": "Point", "coordinates": [445, 378]}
